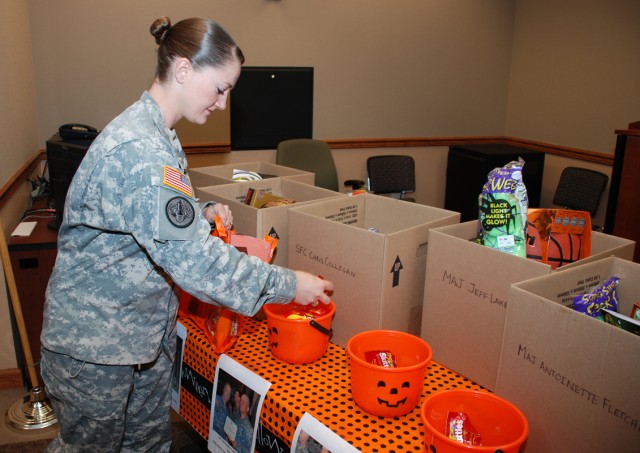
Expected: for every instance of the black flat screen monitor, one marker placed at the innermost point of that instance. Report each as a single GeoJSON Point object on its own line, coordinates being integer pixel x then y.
{"type": "Point", "coordinates": [269, 105]}
{"type": "Point", "coordinates": [63, 159]}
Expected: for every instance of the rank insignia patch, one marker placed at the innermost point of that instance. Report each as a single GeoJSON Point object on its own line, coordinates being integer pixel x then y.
{"type": "Point", "coordinates": [180, 212]}
{"type": "Point", "coordinates": [174, 178]}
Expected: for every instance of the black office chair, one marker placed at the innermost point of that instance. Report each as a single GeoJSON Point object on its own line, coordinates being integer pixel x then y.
{"type": "Point", "coordinates": [580, 189]}
{"type": "Point", "coordinates": [392, 175]}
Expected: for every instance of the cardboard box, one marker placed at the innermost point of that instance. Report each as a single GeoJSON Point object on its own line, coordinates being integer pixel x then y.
{"type": "Point", "coordinates": [378, 276]}
{"type": "Point", "coordinates": [223, 174]}
{"type": "Point", "coordinates": [272, 221]}
{"type": "Point", "coordinates": [466, 293]}
{"type": "Point", "coordinates": [574, 377]}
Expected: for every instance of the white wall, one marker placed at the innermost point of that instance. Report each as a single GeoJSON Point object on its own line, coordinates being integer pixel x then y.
{"type": "Point", "coordinates": [17, 129]}
{"type": "Point", "coordinates": [574, 74]}
{"type": "Point", "coordinates": [382, 68]}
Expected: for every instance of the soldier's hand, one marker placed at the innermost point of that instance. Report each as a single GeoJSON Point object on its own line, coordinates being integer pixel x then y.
{"type": "Point", "coordinates": [311, 289]}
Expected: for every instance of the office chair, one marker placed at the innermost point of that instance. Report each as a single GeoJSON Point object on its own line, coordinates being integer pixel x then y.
{"type": "Point", "coordinates": [580, 189]}
{"type": "Point", "coordinates": [392, 175]}
{"type": "Point", "coordinates": [314, 156]}
{"type": "Point", "coordinates": [309, 155]}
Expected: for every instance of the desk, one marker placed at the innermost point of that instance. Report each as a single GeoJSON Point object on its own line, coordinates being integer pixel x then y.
{"type": "Point", "coordinates": [321, 388]}
{"type": "Point", "coordinates": [32, 260]}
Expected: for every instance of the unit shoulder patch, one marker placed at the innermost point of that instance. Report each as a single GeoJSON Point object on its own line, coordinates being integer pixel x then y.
{"type": "Point", "coordinates": [180, 212]}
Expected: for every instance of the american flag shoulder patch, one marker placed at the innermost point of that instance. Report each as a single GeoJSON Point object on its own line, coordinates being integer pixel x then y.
{"type": "Point", "coordinates": [176, 179]}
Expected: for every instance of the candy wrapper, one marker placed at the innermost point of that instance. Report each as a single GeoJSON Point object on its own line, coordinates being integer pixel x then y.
{"type": "Point", "coordinates": [503, 206]}
{"type": "Point", "coordinates": [306, 311]}
{"type": "Point", "coordinates": [384, 359]}
{"type": "Point", "coordinates": [603, 296]}
{"type": "Point", "coordinates": [558, 236]}
{"type": "Point", "coordinates": [460, 429]}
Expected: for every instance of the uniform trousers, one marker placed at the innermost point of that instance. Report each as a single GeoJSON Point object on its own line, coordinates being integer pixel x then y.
{"type": "Point", "coordinates": [109, 408]}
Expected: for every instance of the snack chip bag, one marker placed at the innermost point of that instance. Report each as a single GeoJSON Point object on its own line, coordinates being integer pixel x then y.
{"type": "Point", "coordinates": [503, 206]}
{"type": "Point", "coordinates": [603, 296]}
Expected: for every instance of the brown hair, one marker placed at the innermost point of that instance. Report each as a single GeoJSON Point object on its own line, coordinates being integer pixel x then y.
{"type": "Point", "coordinates": [203, 41]}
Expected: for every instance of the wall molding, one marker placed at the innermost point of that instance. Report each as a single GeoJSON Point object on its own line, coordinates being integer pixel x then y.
{"type": "Point", "coordinates": [11, 378]}
{"type": "Point", "coordinates": [418, 142]}
{"type": "Point", "coordinates": [31, 165]}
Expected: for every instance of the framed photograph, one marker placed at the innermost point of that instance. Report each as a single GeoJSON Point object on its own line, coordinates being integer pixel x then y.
{"type": "Point", "coordinates": [311, 436]}
{"type": "Point", "coordinates": [235, 411]}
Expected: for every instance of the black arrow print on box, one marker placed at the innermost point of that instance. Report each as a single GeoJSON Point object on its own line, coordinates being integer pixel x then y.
{"type": "Point", "coordinates": [395, 270]}
{"type": "Point", "coordinates": [273, 233]}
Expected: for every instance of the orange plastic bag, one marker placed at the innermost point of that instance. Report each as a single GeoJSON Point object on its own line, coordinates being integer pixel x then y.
{"type": "Point", "coordinates": [558, 236]}
{"type": "Point", "coordinates": [222, 326]}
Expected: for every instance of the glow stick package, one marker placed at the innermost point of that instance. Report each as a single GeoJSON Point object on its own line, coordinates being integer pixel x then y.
{"type": "Point", "coordinates": [503, 206]}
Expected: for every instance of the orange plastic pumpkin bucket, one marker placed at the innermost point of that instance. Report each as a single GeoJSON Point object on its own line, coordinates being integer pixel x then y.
{"type": "Point", "coordinates": [501, 425]}
{"type": "Point", "coordinates": [298, 341]}
{"type": "Point", "coordinates": [382, 391]}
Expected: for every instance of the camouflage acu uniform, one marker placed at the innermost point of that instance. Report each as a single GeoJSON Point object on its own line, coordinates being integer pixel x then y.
{"type": "Point", "coordinates": [132, 227]}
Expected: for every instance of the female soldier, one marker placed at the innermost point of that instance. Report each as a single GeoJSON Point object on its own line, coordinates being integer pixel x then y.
{"type": "Point", "coordinates": [132, 233]}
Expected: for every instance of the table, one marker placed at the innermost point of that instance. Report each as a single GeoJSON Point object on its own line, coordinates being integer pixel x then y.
{"type": "Point", "coordinates": [321, 389]}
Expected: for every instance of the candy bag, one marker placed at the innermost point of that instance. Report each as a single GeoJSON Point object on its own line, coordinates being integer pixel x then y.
{"type": "Point", "coordinates": [558, 236]}
{"type": "Point", "coordinates": [298, 311]}
{"type": "Point", "coordinates": [222, 326]}
{"type": "Point", "coordinates": [603, 296]}
{"type": "Point", "coordinates": [460, 429]}
{"type": "Point", "coordinates": [503, 206]}
{"type": "Point", "coordinates": [384, 359]}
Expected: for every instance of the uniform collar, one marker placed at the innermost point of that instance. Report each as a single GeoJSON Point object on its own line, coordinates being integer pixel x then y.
{"type": "Point", "coordinates": [170, 134]}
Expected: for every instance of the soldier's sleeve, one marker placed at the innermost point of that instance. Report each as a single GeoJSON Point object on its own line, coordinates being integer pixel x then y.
{"type": "Point", "coordinates": [168, 223]}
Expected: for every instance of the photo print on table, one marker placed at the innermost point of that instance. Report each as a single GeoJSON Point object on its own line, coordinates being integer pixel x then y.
{"type": "Point", "coordinates": [311, 436]}
{"type": "Point", "coordinates": [235, 411]}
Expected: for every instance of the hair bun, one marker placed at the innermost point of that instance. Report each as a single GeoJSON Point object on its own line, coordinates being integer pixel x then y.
{"type": "Point", "coordinates": [159, 28]}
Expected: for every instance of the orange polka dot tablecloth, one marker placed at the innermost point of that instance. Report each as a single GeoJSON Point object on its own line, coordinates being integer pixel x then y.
{"type": "Point", "coordinates": [321, 388]}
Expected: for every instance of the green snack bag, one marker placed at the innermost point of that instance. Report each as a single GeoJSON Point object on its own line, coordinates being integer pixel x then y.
{"type": "Point", "coordinates": [503, 206]}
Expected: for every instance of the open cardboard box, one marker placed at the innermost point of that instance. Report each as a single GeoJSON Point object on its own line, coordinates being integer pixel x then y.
{"type": "Point", "coordinates": [223, 174]}
{"type": "Point", "coordinates": [466, 292]}
{"type": "Point", "coordinates": [378, 276]}
{"type": "Point", "coordinates": [574, 377]}
{"type": "Point", "coordinates": [272, 221]}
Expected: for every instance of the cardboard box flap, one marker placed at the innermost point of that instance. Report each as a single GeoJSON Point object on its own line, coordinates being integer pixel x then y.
{"type": "Point", "coordinates": [573, 376]}
{"type": "Point", "coordinates": [272, 221]}
{"type": "Point", "coordinates": [223, 174]}
{"type": "Point", "coordinates": [385, 214]}
{"type": "Point", "coordinates": [378, 275]}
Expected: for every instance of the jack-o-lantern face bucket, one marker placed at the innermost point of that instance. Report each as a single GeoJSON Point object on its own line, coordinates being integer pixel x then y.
{"type": "Point", "coordinates": [382, 391]}
{"type": "Point", "coordinates": [298, 341]}
{"type": "Point", "coordinates": [501, 424]}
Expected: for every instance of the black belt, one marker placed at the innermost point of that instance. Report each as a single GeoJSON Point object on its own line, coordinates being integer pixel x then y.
{"type": "Point", "coordinates": [143, 366]}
